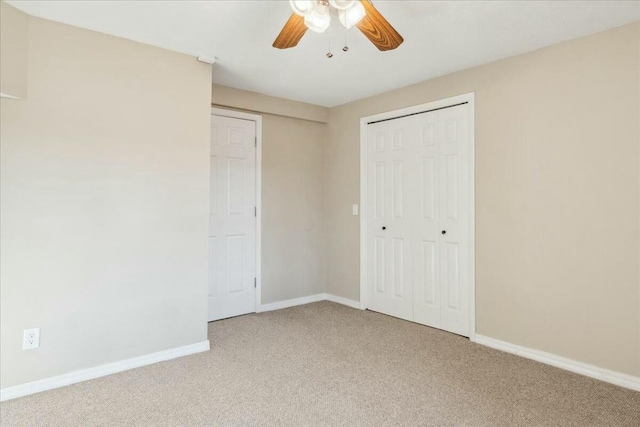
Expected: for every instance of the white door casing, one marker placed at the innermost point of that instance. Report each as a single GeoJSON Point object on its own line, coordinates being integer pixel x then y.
{"type": "Point", "coordinates": [232, 218]}
{"type": "Point", "coordinates": [417, 174]}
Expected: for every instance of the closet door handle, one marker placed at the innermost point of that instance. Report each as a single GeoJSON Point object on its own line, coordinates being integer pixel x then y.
{"type": "Point", "coordinates": [384, 228]}
{"type": "Point", "coordinates": [444, 231]}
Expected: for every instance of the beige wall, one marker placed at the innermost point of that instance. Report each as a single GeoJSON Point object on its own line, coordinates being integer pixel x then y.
{"type": "Point", "coordinates": [14, 26]}
{"type": "Point", "coordinates": [256, 102]}
{"type": "Point", "coordinates": [293, 218]}
{"type": "Point", "coordinates": [557, 186]}
{"type": "Point", "coordinates": [104, 203]}
{"type": "Point", "coordinates": [293, 234]}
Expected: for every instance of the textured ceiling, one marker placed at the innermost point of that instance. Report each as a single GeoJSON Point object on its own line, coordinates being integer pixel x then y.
{"type": "Point", "coordinates": [441, 37]}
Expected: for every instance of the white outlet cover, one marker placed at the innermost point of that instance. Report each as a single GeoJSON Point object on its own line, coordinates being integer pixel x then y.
{"type": "Point", "coordinates": [31, 339]}
{"type": "Point", "coordinates": [354, 209]}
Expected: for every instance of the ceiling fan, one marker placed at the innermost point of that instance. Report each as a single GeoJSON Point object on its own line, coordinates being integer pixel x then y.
{"type": "Point", "coordinates": [315, 15]}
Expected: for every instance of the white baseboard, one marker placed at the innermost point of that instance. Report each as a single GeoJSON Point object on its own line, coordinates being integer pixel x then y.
{"type": "Point", "coordinates": [613, 377]}
{"type": "Point", "coordinates": [100, 371]}
{"type": "Point", "coordinates": [136, 362]}
{"type": "Point", "coordinates": [344, 301]}
{"type": "Point", "coordinates": [307, 300]}
{"type": "Point", "coordinates": [291, 302]}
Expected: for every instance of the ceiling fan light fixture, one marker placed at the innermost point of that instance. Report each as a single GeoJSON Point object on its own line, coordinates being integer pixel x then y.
{"type": "Point", "coordinates": [319, 18]}
{"type": "Point", "coordinates": [301, 7]}
{"type": "Point", "coordinates": [341, 4]}
{"type": "Point", "coordinates": [361, 13]}
{"type": "Point", "coordinates": [351, 16]}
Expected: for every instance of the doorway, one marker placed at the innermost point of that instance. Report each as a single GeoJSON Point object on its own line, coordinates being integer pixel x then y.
{"type": "Point", "coordinates": [417, 216]}
{"type": "Point", "coordinates": [234, 214]}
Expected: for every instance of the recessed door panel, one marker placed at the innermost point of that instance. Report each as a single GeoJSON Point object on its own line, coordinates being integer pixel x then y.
{"type": "Point", "coordinates": [214, 191]}
{"type": "Point", "coordinates": [212, 262]}
{"type": "Point", "coordinates": [398, 268]}
{"type": "Point", "coordinates": [397, 140]}
{"type": "Point", "coordinates": [451, 275]}
{"type": "Point", "coordinates": [379, 263]}
{"type": "Point", "coordinates": [450, 130]}
{"type": "Point", "coordinates": [235, 263]}
{"type": "Point", "coordinates": [235, 136]}
{"type": "Point", "coordinates": [214, 135]}
{"type": "Point", "coordinates": [397, 189]}
{"type": "Point", "coordinates": [427, 302]}
{"type": "Point", "coordinates": [236, 186]}
{"type": "Point", "coordinates": [428, 135]}
{"type": "Point", "coordinates": [379, 185]}
{"type": "Point", "coordinates": [379, 144]}
{"type": "Point", "coordinates": [428, 189]}
{"type": "Point", "coordinates": [450, 186]}
{"type": "Point", "coordinates": [429, 272]}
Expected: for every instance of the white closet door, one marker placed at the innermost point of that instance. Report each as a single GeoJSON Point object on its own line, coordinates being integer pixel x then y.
{"type": "Point", "coordinates": [418, 177]}
{"type": "Point", "coordinates": [453, 187]}
{"type": "Point", "coordinates": [232, 221]}
{"type": "Point", "coordinates": [427, 246]}
{"type": "Point", "coordinates": [389, 225]}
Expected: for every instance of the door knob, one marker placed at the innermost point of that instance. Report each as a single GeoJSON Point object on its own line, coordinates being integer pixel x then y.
{"type": "Point", "coordinates": [444, 231]}
{"type": "Point", "coordinates": [384, 228]}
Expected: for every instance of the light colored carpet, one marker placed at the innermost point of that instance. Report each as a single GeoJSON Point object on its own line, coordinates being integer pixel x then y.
{"type": "Point", "coordinates": [326, 364]}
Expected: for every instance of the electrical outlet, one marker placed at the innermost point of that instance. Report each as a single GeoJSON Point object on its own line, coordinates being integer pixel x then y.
{"type": "Point", "coordinates": [31, 339]}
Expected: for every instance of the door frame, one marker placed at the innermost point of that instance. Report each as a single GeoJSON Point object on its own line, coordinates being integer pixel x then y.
{"type": "Point", "coordinates": [468, 98]}
{"type": "Point", "coordinates": [258, 121]}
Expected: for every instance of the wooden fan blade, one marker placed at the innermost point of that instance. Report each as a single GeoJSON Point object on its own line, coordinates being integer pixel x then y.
{"type": "Point", "coordinates": [377, 29]}
{"type": "Point", "coordinates": [291, 33]}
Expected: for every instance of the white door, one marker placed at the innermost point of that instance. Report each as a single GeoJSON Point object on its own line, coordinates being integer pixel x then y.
{"type": "Point", "coordinates": [232, 218]}
{"type": "Point", "coordinates": [418, 222]}
{"type": "Point", "coordinates": [389, 222]}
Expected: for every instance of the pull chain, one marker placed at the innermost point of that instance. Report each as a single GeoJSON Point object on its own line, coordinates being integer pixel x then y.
{"type": "Point", "coordinates": [329, 54]}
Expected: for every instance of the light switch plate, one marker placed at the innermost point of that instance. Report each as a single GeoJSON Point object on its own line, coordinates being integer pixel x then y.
{"type": "Point", "coordinates": [354, 210]}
